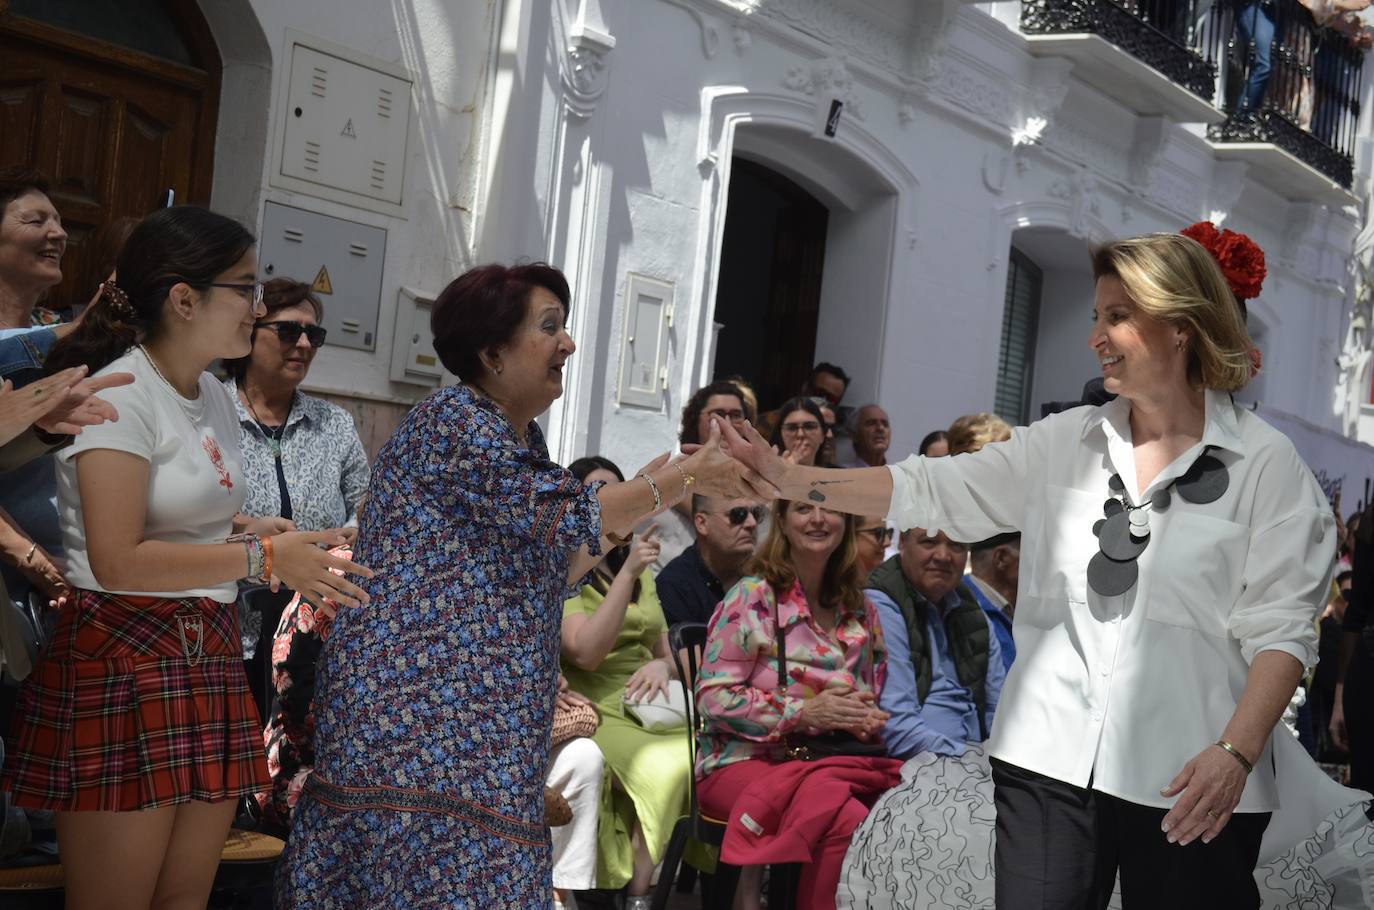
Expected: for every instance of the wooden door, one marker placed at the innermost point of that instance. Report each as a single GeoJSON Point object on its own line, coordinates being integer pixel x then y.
{"type": "Point", "coordinates": [113, 129]}
{"type": "Point", "coordinates": [769, 289]}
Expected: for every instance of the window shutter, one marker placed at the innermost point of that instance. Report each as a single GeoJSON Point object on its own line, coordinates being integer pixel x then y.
{"type": "Point", "coordinates": [1020, 321]}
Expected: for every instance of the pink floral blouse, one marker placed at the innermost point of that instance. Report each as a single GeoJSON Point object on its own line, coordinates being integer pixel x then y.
{"type": "Point", "coordinates": [743, 715]}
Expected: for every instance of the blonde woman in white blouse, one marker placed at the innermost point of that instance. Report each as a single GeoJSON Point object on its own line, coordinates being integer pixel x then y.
{"type": "Point", "coordinates": [1133, 734]}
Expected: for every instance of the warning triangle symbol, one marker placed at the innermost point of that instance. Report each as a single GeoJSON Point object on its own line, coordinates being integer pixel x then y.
{"type": "Point", "coordinates": [321, 284]}
{"type": "Point", "coordinates": [348, 130]}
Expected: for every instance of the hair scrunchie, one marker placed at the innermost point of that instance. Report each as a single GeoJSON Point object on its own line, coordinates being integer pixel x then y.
{"type": "Point", "coordinates": [119, 301]}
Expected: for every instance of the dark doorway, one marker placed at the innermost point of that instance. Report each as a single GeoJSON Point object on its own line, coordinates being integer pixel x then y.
{"type": "Point", "coordinates": [117, 104]}
{"type": "Point", "coordinates": [769, 293]}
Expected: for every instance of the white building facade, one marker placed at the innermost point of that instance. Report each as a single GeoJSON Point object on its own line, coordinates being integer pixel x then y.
{"type": "Point", "coordinates": [738, 186]}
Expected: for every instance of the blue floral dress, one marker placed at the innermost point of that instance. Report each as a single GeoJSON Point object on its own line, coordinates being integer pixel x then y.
{"type": "Point", "coordinates": [434, 704]}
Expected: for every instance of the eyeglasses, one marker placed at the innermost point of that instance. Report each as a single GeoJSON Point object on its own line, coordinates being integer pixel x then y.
{"type": "Point", "coordinates": [737, 515]}
{"type": "Point", "coordinates": [735, 416]}
{"type": "Point", "coordinates": [255, 289]}
{"type": "Point", "coordinates": [881, 534]}
{"type": "Point", "coordinates": [808, 426]}
{"type": "Point", "coordinates": [290, 332]}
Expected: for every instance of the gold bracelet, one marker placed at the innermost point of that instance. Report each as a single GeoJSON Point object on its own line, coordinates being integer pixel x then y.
{"type": "Point", "coordinates": [28, 557]}
{"type": "Point", "coordinates": [658, 498]}
{"type": "Point", "coordinates": [1235, 753]}
{"type": "Point", "coordinates": [687, 480]}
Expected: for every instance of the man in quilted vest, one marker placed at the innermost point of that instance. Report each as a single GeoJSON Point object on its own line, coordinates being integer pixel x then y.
{"type": "Point", "coordinates": [944, 662]}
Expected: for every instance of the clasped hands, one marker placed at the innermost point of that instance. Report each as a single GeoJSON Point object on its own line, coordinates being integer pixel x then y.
{"type": "Point", "coordinates": [844, 709]}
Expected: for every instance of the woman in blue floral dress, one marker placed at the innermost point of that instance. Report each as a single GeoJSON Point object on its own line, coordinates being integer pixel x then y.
{"type": "Point", "coordinates": [433, 705]}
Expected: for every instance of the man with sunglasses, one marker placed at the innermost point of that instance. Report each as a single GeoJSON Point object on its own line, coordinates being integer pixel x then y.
{"type": "Point", "coordinates": [727, 532]}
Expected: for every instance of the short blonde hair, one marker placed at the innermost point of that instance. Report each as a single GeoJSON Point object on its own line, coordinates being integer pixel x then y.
{"type": "Point", "coordinates": [973, 431]}
{"type": "Point", "coordinates": [1174, 279]}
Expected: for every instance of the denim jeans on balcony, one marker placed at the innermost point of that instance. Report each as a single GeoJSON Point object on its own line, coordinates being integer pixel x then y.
{"type": "Point", "coordinates": [1255, 23]}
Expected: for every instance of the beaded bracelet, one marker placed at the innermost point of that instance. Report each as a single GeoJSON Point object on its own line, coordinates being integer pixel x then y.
{"type": "Point", "coordinates": [1235, 753]}
{"type": "Point", "coordinates": [658, 498]}
{"type": "Point", "coordinates": [255, 551]}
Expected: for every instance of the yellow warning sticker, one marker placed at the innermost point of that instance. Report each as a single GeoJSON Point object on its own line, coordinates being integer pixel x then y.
{"type": "Point", "coordinates": [322, 285]}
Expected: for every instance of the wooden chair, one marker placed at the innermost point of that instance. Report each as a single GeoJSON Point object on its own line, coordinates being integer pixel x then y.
{"type": "Point", "coordinates": [717, 891]}
{"type": "Point", "coordinates": [246, 867]}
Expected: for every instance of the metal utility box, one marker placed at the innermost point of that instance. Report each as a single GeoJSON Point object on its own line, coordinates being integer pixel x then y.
{"type": "Point", "coordinates": [413, 358]}
{"type": "Point", "coordinates": [342, 260]}
{"type": "Point", "coordinates": [344, 126]}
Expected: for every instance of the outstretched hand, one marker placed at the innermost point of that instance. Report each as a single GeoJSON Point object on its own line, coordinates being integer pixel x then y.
{"type": "Point", "coordinates": [719, 473]}
{"type": "Point", "coordinates": [60, 404]}
{"type": "Point", "coordinates": [753, 451]}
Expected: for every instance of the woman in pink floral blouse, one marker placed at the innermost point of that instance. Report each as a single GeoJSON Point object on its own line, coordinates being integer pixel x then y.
{"type": "Point", "coordinates": [805, 576]}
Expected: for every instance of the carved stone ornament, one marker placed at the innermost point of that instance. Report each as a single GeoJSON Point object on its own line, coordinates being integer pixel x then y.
{"type": "Point", "coordinates": [1079, 190]}
{"type": "Point", "coordinates": [585, 70]}
{"type": "Point", "coordinates": [826, 80]}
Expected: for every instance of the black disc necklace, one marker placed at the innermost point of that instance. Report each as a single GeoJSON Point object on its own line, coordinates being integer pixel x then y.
{"type": "Point", "coordinates": [1123, 532]}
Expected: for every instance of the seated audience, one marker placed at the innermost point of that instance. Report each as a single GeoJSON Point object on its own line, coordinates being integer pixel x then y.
{"type": "Point", "coordinates": [872, 436]}
{"type": "Point", "coordinates": [576, 769]}
{"type": "Point", "coordinates": [935, 444]}
{"type": "Point", "coordinates": [827, 381]}
{"type": "Point", "coordinates": [874, 537]}
{"type": "Point", "coordinates": [973, 431]}
{"type": "Point", "coordinates": [615, 651]}
{"type": "Point", "coordinates": [945, 668]}
{"type": "Point", "coordinates": [801, 431]}
{"type": "Point", "coordinates": [302, 455]}
{"type": "Point", "coordinates": [690, 586]}
{"type": "Point", "coordinates": [804, 606]}
{"type": "Point", "coordinates": [995, 571]}
{"type": "Point", "coordinates": [723, 401]}
{"type": "Point", "coordinates": [827, 455]}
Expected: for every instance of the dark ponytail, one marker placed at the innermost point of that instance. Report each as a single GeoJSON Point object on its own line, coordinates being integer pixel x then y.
{"type": "Point", "coordinates": [183, 244]}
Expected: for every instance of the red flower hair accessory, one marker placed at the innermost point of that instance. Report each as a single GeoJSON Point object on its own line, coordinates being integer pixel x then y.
{"type": "Point", "coordinates": [1240, 258]}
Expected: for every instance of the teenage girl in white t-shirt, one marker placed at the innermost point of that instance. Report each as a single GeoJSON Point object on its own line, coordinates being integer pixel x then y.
{"type": "Point", "coordinates": [137, 727]}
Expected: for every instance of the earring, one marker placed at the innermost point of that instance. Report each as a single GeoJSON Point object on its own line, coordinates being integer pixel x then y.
{"type": "Point", "coordinates": [499, 368]}
{"type": "Point", "coordinates": [1178, 345]}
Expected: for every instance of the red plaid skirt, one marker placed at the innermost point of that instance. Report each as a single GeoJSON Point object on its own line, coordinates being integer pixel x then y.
{"type": "Point", "coordinates": [138, 702]}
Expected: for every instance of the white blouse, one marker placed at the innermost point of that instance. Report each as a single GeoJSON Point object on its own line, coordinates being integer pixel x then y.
{"type": "Point", "coordinates": [1125, 690]}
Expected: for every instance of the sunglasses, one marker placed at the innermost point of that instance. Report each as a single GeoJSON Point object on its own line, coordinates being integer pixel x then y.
{"type": "Point", "coordinates": [254, 290]}
{"type": "Point", "coordinates": [737, 515]}
{"type": "Point", "coordinates": [880, 534]}
{"type": "Point", "coordinates": [290, 332]}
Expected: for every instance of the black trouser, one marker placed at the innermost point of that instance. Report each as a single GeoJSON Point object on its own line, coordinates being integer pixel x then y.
{"type": "Point", "coordinates": [1359, 728]}
{"type": "Point", "coordinates": [1060, 847]}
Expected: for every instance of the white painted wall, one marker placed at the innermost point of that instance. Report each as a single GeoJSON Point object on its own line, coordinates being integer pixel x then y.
{"type": "Point", "coordinates": [617, 161]}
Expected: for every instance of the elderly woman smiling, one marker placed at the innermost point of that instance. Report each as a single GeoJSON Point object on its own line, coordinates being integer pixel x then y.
{"type": "Point", "coordinates": [433, 705]}
{"type": "Point", "coordinates": [1159, 636]}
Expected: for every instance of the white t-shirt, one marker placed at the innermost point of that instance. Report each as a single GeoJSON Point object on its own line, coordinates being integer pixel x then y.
{"type": "Point", "coordinates": [195, 480]}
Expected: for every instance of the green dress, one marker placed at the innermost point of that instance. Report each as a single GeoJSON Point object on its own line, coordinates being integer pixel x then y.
{"type": "Point", "coordinates": [652, 767]}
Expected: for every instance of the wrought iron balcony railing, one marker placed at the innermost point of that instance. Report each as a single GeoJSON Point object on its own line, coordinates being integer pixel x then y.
{"type": "Point", "coordinates": [1156, 32]}
{"type": "Point", "coordinates": [1303, 95]}
{"type": "Point", "coordinates": [1275, 73]}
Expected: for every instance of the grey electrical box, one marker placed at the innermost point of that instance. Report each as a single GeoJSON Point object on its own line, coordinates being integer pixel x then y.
{"type": "Point", "coordinates": [342, 261]}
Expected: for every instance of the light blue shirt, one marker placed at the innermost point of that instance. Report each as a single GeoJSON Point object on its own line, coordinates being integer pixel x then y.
{"type": "Point", "coordinates": [948, 720]}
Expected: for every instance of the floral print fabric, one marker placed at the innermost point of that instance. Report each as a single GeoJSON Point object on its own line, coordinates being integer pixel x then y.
{"type": "Point", "coordinates": [744, 714]}
{"type": "Point", "coordinates": [434, 703]}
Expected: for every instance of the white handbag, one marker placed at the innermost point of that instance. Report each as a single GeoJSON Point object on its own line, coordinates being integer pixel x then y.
{"type": "Point", "coordinates": [660, 713]}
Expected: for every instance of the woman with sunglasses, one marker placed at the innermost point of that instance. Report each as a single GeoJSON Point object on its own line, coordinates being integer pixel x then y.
{"type": "Point", "coordinates": [136, 726]}
{"type": "Point", "coordinates": [301, 454]}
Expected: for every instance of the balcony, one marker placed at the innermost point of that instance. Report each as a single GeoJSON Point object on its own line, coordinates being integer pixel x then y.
{"type": "Point", "coordinates": [1140, 52]}
{"type": "Point", "coordinates": [1295, 126]}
